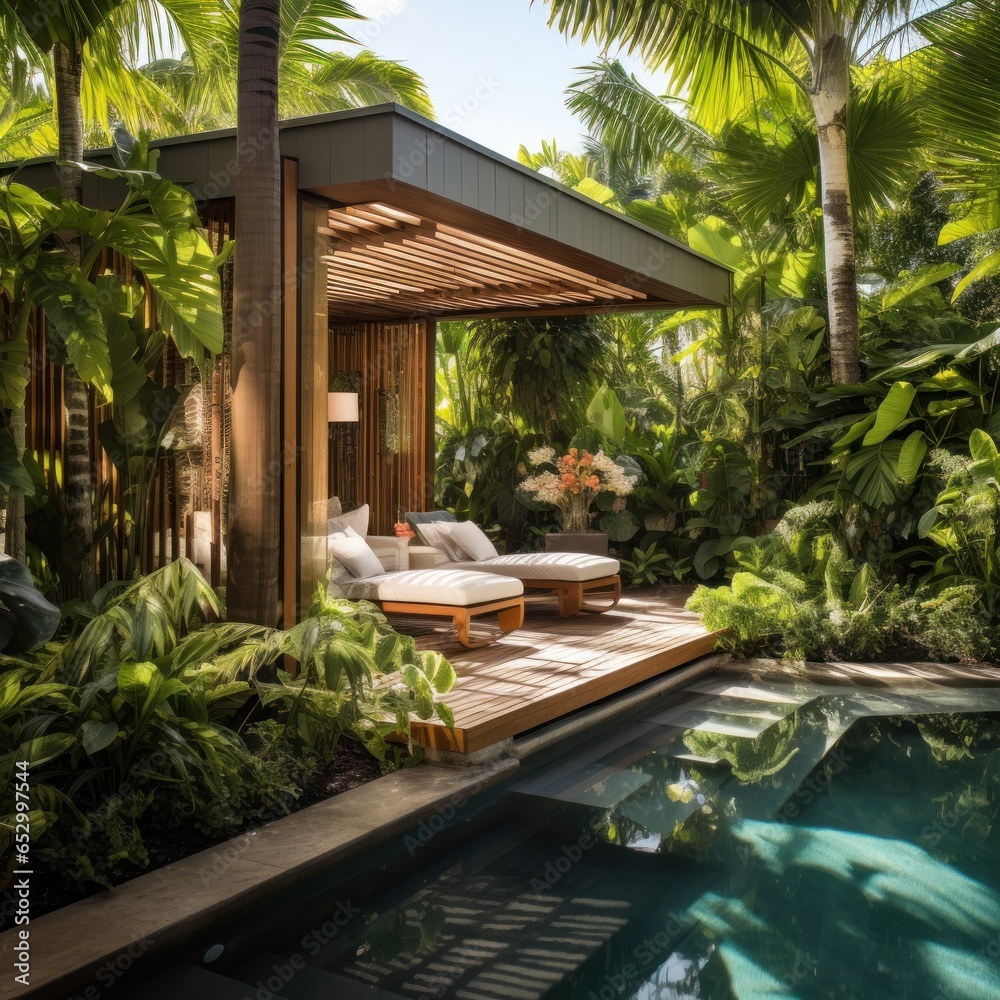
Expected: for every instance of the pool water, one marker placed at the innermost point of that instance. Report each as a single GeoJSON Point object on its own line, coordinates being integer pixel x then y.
{"type": "Point", "coordinates": [749, 839]}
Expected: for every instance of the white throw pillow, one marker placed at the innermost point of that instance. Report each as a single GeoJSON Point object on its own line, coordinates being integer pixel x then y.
{"type": "Point", "coordinates": [356, 519]}
{"type": "Point", "coordinates": [436, 533]}
{"type": "Point", "coordinates": [353, 553]}
{"type": "Point", "coordinates": [470, 538]}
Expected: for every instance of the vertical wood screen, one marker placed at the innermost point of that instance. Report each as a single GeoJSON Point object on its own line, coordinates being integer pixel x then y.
{"type": "Point", "coordinates": [188, 483]}
{"type": "Point", "coordinates": [391, 464]}
{"type": "Point", "coordinates": [314, 377]}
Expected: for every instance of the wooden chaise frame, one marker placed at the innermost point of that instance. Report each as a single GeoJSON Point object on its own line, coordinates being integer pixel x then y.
{"type": "Point", "coordinates": [574, 595]}
{"type": "Point", "coordinates": [509, 612]}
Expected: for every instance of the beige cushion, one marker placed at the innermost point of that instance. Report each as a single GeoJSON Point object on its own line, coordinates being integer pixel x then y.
{"type": "Point", "coordinates": [425, 557]}
{"type": "Point", "coordinates": [437, 534]}
{"type": "Point", "coordinates": [468, 537]}
{"type": "Point", "coordinates": [573, 567]}
{"type": "Point", "coordinates": [356, 519]}
{"type": "Point", "coordinates": [458, 588]}
{"type": "Point", "coordinates": [352, 552]}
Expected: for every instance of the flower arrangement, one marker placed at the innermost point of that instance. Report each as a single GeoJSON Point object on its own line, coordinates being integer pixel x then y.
{"type": "Point", "coordinates": [574, 482]}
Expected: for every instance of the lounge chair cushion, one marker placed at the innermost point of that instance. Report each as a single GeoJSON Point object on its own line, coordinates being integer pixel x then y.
{"type": "Point", "coordinates": [470, 539]}
{"type": "Point", "coordinates": [352, 552]}
{"type": "Point", "coordinates": [417, 519]}
{"type": "Point", "coordinates": [453, 587]}
{"type": "Point", "coordinates": [357, 519]}
{"type": "Point", "coordinates": [572, 567]}
{"type": "Point", "coordinates": [437, 535]}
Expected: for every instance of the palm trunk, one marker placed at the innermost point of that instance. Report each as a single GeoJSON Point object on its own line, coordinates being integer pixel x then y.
{"type": "Point", "coordinates": [829, 100]}
{"type": "Point", "coordinates": [78, 473]}
{"type": "Point", "coordinates": [255, 478]}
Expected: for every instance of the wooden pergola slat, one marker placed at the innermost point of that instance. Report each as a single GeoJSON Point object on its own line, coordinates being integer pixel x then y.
{"type": "Point", "coordinates": [398, 261]}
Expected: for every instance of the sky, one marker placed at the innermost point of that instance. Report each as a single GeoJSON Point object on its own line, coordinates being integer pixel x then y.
{"type": "Point", "coordinates": [495, 71]}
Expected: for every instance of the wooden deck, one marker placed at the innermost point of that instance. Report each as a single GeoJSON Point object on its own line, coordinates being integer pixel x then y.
{"type": "Point", "coordinates": [553, 666]}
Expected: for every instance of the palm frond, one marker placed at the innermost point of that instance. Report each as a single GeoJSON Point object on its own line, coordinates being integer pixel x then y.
{"type": "Point", "coordinates": [960, 74]}
{"type": "Point", "coordinates": [711, 50]}
{"type": "Point", "coordinates": [627, 118]}
{"type": "Point", "coordinates": [364, 79]}
{"type": "Point", "coordinates": [886, 141]}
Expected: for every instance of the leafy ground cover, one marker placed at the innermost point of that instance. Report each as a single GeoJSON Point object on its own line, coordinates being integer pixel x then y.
{"type": "Point", "coordinates": [150, 713]}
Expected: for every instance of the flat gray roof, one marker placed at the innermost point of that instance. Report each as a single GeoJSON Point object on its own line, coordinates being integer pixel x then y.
{"type": "Point", "coordinates": [390, 156]}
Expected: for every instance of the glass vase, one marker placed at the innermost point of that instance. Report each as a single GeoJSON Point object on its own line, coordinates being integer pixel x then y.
{"type": "Point", "coordinates": [575, 517]}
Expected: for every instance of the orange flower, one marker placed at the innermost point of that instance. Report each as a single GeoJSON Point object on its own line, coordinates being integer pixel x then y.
{"type": "Point", "coordinates": [587, 459]}
{"type": "Point", "coordinates": [569, 480]}
{"type": "Point", "coordinates": [573, 453]}
{"type": "Point", "coordinates": [593, 482]}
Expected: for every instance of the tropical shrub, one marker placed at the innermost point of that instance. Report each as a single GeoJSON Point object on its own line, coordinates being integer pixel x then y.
{"type": "Point", "coordinates": [150, 709]}
{"type": "Point", "coordinates": [800, 593]}
{"type": "Point", "coordinates": [965, 523]}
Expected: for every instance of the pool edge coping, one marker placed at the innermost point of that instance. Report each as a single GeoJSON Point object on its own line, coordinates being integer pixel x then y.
{"type": "Point", "coordinates": [93, 942]}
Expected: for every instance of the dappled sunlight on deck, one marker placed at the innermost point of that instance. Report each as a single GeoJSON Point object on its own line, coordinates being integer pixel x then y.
{"type": "Point", "coordinates": [553, 666]}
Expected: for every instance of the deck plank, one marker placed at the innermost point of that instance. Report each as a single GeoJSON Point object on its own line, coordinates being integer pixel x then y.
{"type": "Point", "coordinates": [553, 666]}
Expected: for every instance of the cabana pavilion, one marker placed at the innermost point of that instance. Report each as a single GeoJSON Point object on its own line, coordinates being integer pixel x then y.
{"type": "Point", "coordinates": [390, 222]}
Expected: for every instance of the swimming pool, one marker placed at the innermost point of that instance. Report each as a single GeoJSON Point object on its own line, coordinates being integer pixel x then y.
{"type": "Point", "coordinates": [747, 838]}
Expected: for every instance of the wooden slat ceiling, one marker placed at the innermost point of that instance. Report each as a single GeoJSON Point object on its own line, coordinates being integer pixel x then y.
{"type": "Point", "coordinates": [384, 261]}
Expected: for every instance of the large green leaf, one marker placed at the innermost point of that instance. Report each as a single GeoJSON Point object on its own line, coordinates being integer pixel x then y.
{"type": "Point", "coordinates": [871, 473]}
{"type": "Point", "coordinates": [891, 413]}
{"type": "Point", "coordinates": [14, 372]}
{"type": "Point", "coordinates": [619, 525]}
{"type": "Point", "coordinates": [96, 735]}
{"type": "Point", "coordinates": [908, 285]}
{"type": "Point", "coordinates": [121, 307]}
{"type": "Point", "coordinates": [180, 268]}
{"type": "Point", "coordinates": [12, 470]}
{"type": "Point", "coordinates": [986, 268]}
{"type": "Point", "coordinates": [982, 447]}
{"type": "Point", "coordinates": [74, 319]}
{"type": "Point", "coordinates": [911, 457]}
{"type": "Point", "coordinates": [606, 414]}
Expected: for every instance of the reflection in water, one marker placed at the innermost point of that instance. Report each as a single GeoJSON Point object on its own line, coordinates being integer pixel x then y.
{"type": "Point", "coordinates": [876, 875]}
{"type": "Point", "coordinates": [749, 841]}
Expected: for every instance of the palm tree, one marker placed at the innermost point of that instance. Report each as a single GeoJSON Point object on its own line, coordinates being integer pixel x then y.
{"type": "Point", "coordinates": [255, 482]}
{"type": "Point", "coordinates": [313, 81]}
{"type": "Point", "coordinates": [195, 92]}
{"type": "Point", "coordinates": [729, 52]}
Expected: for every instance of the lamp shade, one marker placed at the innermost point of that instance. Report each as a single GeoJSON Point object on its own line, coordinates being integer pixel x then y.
{"type": "Point", "coordinates": [342, 407]}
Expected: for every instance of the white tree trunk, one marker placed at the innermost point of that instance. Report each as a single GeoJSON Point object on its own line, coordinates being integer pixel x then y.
{"type": "Point", "coordinates": [829, 100]}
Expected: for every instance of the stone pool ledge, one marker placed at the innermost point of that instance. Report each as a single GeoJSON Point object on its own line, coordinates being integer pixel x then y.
{"type": "Point", "coordinates": [88, 945]}
{"type": "Point", "coordinates": [880, 674]}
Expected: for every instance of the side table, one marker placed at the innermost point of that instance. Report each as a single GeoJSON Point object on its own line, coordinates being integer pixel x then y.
{"type": "Point", "coordinates": [594, 543]}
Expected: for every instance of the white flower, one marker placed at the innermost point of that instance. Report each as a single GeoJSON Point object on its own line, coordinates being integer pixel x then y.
{"type": "Point", "coordinates": [542, 456]}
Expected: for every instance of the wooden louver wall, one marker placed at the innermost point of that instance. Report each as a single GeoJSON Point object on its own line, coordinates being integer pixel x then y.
{"type": "Point", "coordinates": [392, 443]}
{"type": "Point", "coordinates": [193, 482]}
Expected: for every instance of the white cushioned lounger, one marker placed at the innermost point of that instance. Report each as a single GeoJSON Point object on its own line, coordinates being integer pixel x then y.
{"type": "Point", "coordinates": [574, 576]}
{"type": "Point", "coordinates": [452, 592]}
